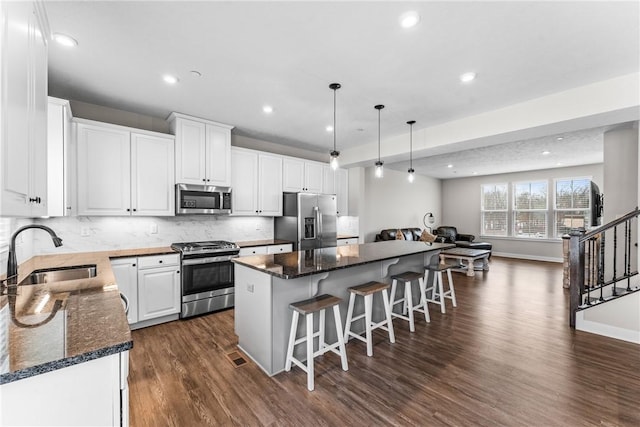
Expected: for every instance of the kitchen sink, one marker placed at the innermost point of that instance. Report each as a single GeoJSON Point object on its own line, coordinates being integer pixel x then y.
{"type": "Point", "coordinates": [60, 274]}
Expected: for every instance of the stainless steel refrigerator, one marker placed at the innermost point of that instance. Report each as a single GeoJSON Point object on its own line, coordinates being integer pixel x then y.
{"type": "Point", "coordinates": [309, 220]}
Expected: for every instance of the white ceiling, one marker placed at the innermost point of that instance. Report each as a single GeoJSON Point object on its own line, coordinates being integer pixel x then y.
{"type": "Point", "coordinates": [285, 54]}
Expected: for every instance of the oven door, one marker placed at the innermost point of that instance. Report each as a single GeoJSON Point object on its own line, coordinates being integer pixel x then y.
{"type": "Point", "coordinates": [206, 277]}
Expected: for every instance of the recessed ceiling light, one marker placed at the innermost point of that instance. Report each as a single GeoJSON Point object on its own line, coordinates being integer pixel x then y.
{"type": "Point", "coordinates": [560, 138]}
{"type": "Point", "coordinates": [169, 79]}
{"type": "Point", "coordinates": [467, 77]}
{"type": "Point", "coordinates": [329, 128]}
{"type": "Point", "coordinates": [409, 19]}
{"type": "Point", "coordinates": [474, 173]}
{"type": "Point", "coordinates": [267, 109]}
{"type": "Point", "coordinates": [559, 164]}
{"type": "Point", "coordinates": [546, 152]}
{"type": "Point", "coordinates": [449, 166]}
{"type": "Point", "coordinates": [65, 40]}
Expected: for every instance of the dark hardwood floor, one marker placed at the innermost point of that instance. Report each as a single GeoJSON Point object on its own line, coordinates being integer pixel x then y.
{"type": "Point", "coordinates": [504, 356]}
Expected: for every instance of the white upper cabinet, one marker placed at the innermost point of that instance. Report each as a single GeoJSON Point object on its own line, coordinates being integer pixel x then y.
{"type": "Point", "coordinates": [257, 183]}
{"type": "Point", "coordinates": [152, 173]}
{"type": "Point", "coordinates": [23, 109]}
{"type": "Point", "coordinates": [121, 172]}
{"type": "Point", "coordinates": [59, 150]}
{"type": "Point", "coordinates": [328, 180]}
{"type": "Point", "coordinates": [203, 151]}
{"type": "Point", "coordinates": [342, 191]}
{"type": "Point", "coordinates": [301, 175]}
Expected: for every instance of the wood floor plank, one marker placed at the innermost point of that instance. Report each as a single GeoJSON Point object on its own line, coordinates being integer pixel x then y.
{"type": "Point", "coordinates": [504, 357]}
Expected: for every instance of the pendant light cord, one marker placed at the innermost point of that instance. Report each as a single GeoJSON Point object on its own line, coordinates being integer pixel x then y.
{"type": "Point", "coordinates": [379, 135]}
{"type": "Point", "coordinates": [411, 148]}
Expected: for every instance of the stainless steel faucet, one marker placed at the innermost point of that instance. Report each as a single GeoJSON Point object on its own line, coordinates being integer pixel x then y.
{"type": "Point", "coordinates": [12, 263]}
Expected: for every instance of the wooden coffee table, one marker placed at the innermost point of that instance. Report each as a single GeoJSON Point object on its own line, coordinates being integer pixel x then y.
{"type": "Point", "coordinates": [470, 256]}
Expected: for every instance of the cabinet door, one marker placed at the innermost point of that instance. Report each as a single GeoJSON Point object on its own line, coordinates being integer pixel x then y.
{"type": "Point", "coordinates": [152, 174]}
{"type": "Point", "coordinates": [328, 180]}
{"type": "Point", "coordinates": [14, 123]}
{"type": "Point", "coordinates": [270, 185]}
{"type": "Point", "coordinates": [313, 177]}
{"type": "Point", "coordinates": [104, 176]}
{"type": "Point", "coordinates": [190, 152]}
{"type": "Point", "coordinates": [244, 181]}
{"type": "Point", "coordinates": [125, 271]}
{"type": "Point", "coordinates": [218, 156]}
{"type": "Point", "coordinates": [38, 120]}
{"type": "Point", "coordinates": [342, 191]}
{"type": "Point", "coordinates": [254, 250]}
{"type": "Point", "coordinates": [293, 175]}
{"type": "Point", "coordinates": [158, 292]}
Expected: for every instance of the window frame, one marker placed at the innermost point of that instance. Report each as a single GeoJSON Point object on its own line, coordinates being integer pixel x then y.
{"type": "Point", "coordinates": [515, 210]}
{"type": "Point", "coordinates": [555, 203]}
{"type": "Point", "coordinates": [483, 211]}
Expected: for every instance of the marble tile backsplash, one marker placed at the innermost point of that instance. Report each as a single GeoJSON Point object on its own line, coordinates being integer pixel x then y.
{"type": "Point", "coordinates": [24, 243]}
{"type": "Point", "coordinates": [88, 234]}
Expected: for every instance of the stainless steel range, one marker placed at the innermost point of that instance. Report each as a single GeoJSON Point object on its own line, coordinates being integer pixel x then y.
{"type": "Point", "coordinates": [207, 276]}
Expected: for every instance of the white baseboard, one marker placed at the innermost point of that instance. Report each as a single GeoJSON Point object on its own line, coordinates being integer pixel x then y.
{"type": "Point", "coordinates": [606, 330]}
{"type": "Point", "coordinates": [527, 257]}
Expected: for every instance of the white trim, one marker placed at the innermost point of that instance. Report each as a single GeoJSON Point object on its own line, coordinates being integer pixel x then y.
{"type": "Point", "coordinates": [527, 257]}
{"type": "Point", "coordinates": [605, 330]}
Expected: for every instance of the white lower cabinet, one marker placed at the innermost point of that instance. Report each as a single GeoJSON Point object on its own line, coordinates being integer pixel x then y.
{"type": "Point", "coordinates": [266, 250]}
{"type": "Point", "coordinates": [152, 286]}
{"type": "Point", "coordinates": [348, 241]}
{"type": "Point", "coordinates": [93, 393]}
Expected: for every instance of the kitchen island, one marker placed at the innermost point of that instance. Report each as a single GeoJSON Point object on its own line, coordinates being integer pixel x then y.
{"type": "Point", "coordinates": [266, 285]}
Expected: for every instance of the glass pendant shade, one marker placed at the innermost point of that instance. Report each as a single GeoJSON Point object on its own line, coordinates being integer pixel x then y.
{"type": "Point", "coordinates": [334, 154]}
{"type": "Point", "coordinates": [333, 159]}
{"type": "Point", "coordinates": [411, 177]}
{"type": "Point", "coordinates": [379, 169]}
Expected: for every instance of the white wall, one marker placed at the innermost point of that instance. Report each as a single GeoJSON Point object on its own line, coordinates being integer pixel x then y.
{"type": "Point", "coordinates": [393, 202]}
{"type": "Point", "coordinates": [461, 208]}
{"type": "Point", "coordinates": [620, 187]}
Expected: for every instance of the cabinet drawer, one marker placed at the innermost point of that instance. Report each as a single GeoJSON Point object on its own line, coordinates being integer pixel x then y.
{"type": "Point", "coordinates": [255, 250]}
{"type": "Point", "coordinates": [158, 261]}
{"type": "Point", "coordinates": [277, 249]}
{"type": "Point", "coordinates": [352, 241]}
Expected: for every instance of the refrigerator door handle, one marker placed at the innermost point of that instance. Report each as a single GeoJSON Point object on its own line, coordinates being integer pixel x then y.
{"type": "Point", "coordinates": [319, 222]}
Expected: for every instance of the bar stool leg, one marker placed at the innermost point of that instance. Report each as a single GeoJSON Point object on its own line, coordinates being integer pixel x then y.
{"type": "Point", "coordinates": [368, 307]}
{"type": "Point", "coordinates": [392, 297]}
{"type": "Point", "coordinates": [441, 292]}
{"type": "Point", "coordinates": [453, 292]}
{"type": "Point", "coordinates": [423, 299]}
{"type": "Point", "coordinates": [292, 339]}
{"type": "Point", "coordinates": [347, 326]}
{"type": "Point", "coordinates": [387, 310]}
{"type": "Point", "coordinates": [343, 350]}
{"type": "Point", "coordinates": [408, 301]}
{"type": "Point", "coordinates": [321, 342]}
{"type": "Point", "coordinates": [310, 372]}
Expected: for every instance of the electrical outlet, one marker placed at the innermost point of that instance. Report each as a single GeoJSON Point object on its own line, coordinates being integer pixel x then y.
{"type": "Point", "coordinates": [250, 288]}
{"type": "Point", "coordinates": [85, 231]}
{"type": "Point", "coordinates": [153, 228]}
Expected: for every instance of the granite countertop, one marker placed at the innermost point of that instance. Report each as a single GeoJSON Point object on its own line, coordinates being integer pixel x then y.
{"type": "Point", "coordinates": [304, 263]}
{"type": "Point", "coordinates": [266, 242]}
{"type": "Point", "coordinates": [59, 324]}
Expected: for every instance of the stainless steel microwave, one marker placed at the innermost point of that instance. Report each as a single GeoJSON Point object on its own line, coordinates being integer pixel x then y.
{"type": "Point", "coordinates": [202, 200]}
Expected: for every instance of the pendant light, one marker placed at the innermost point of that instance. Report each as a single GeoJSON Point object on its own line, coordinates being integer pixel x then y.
{"type": "Point", "coordinates": [379, 163]}
{"type": "Point", "coordinates": [333, 159]}
{"type": "Point", "coordinates": [411, 176]}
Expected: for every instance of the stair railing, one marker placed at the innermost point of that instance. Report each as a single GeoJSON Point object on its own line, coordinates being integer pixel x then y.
{"type": "Point", "coordinates": [593, 266]}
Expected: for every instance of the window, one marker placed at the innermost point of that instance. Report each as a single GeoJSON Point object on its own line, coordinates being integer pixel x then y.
{"type": "Point", "coordinates": [530, 209]}
{"type": "Point", "coordinates": [495, 207]}
{"type": "Point", "coordinates": [572, 204]}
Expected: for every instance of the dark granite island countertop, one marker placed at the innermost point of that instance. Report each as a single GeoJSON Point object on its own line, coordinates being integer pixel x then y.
{"type": "Point", "coordinates": [265, 286]}
{"type": "Point", "coordinates": [303, 263]}
{"type": "Point", "coordinates": [55, 325]}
